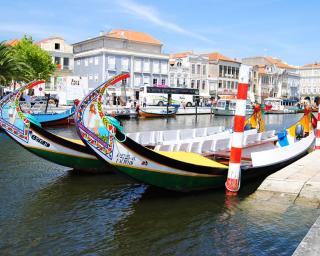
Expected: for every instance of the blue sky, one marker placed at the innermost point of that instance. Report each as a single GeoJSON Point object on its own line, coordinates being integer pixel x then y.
{"type": "Point", "coordinates": [236, 28]}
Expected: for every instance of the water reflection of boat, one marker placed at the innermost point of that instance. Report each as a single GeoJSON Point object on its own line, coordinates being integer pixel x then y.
{"type": "Point", "coordinates": [227, 107]}
{"type": "Point", "coordinates": [190, 165]}
{"type": "Point", "coordinates": [27, 131]}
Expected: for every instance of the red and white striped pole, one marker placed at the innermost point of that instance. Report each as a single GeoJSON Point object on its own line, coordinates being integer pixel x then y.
{"type": "Point", "coordinates": [317, 147]}
{"type": "Point", "coordinates": [234, 172]}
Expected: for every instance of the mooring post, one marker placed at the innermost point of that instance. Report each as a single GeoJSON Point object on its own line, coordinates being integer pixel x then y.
{"type": "Point", "coordinates": [317, 146]}
{"type": "Point", "coordinates": [234, 172]}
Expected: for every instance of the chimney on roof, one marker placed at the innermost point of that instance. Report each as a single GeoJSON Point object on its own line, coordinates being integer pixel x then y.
{"type": "Point", "coordinates": [101, 33]}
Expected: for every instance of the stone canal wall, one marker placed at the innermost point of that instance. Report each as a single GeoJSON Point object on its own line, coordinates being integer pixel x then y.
{"type": "Point", "coordinates": [300, 180]}
{"type": "Point", "coordinates": [310, 245]}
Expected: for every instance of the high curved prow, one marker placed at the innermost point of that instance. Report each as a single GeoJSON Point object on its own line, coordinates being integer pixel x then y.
{"type": "Point", "coordinates": [12, 119]}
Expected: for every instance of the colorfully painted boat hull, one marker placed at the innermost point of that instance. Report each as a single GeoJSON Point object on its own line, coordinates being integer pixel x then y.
{"type": "Point", "coordinates": [64, 118]}
{"type": "Point", "coordinates": [73, 154]}
{"type": "Point", "coordinates": [179, 171]}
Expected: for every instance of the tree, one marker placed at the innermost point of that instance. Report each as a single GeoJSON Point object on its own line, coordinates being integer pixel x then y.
{"type": "Point", "coordinates": [11, 67]}
{"type": "Point", "coordinates": [39, 61]}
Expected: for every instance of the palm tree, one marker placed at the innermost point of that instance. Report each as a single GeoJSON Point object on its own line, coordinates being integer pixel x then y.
{"type": "Point", "coordinates": [10, 67]}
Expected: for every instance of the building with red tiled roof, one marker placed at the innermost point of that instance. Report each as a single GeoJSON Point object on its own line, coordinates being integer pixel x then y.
{"type": "Point", "coordinates": [216, 56]}
{"type": "Point", "coordinates": [223, 74]}
{"type": "Point", "coordinates": [122, 50]}
{"type": "Point", "coordinates": [134, 36]}
{"type": "Point", "coordinates": [12, 42]}
{"type": "Point", "coordinates": [275, 78]}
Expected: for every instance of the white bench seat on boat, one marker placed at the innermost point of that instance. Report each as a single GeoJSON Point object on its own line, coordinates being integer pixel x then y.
{"type": "Point", "coordinates": [221, 144]}
{"type": "Point", "coordinates": [268, 134]}
{"type": "Point", "coordinates": [251, 138]}
{"type": "Point", "coordinates": [147, 138]}
{"type": "Point", "coordinates": [214, 130]}
{"type": "Point", "coordinates": [187, 134]}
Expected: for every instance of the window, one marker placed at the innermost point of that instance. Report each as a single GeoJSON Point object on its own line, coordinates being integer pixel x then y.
{"type": "Point", "coordinates": [203, 85]}
{"type": "Point", "coordinates": [193, 68]}
{"type": "Point", "coordinates": [171, 80]}
{"type": "Point", "coordinates": [57, 60]}
{"type": "Point", "coordinates": [124, 63]}
{"type": "Point", "coordinates": [156, 66]}
{"type": "Point", "coordinates": [112, 62]}
{"type": "Point", "coordinates": [178, 82]}
{"type": "Point", "coordinates": [228, 85]}
{"type": "Point", "coordinates": [146, 80]}
{"type": "Point", "coordinates": [154, 81]}
{"type": "Point", "coordinates": [57, 46]}
{"type": "Point", "coordinates": [66, 63]}
{"type": "Point", "coordinates": [237, 73]}
{"type": "Point", "coordinates": [96, 60]}
{"type": "Point", "coordinates": [198, 69]}
{"type": "Point", "coordinates": [164, 67]}
{"type": "Point", "coordinates": [233, 72]}
{"type": "Point", "coordinates": [198, 84]}
{"type": "Point", "coordinates": [91, 60]}
{"type": "Point", "coordinates": [90, 77]}
{"type": "Point", "coordinates": [146, 65]}
{"type": "Point", "coordinates": [137, 65]}
{"type": "Point", "coordinates": [86, 62]}
{"type": "Point", "coordinates": [137, 80]}
{"type": "Point", "coordinates": [163, 81]}
{"type": "Point", "coordinates": [224, 84]}
{"type": "Point", "coordinates": [220, 84]}
{"type": "Point", "coordinates": [192, 84]}
{"type": "Point", "coordinates": [96, 77]}
{"type": "Point", "coordinates": [220, 71]}
{"type": "Point", "coordinates": [78, 62]}
{"type": "Point", "coordinates": [204, 69]}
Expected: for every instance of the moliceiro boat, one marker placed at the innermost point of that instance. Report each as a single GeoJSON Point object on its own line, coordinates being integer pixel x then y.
{"type": "Point", "coordinates": [158, 112]}
{"type": "Point", "coordinates": [55, 119]}
{"type": "Point", "coordinates": [194, 165]}
{"type": "Point", "coordinates": [27, 131]}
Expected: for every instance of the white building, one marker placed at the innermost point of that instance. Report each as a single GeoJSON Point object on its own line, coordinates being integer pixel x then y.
{"type": "Point", "coordinates": [223, 74]}
{"type": "Point", "coordinates": [189, 70]}
{"type": "Point", "coordinates": [118, 51]}
{"type": "Point", "coordinates": [275, 78]}
{"type": "Point", "coordinates": [62, 56]}
{"type": "Point", "coordinates": [309, 81]}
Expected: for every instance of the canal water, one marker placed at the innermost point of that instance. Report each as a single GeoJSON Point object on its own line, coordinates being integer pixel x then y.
{"type": "Point", "coordinates": [46, 209]}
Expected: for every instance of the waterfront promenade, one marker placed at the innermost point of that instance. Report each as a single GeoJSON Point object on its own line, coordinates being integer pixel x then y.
{"type": "Point", "coordinates": [300, 180]}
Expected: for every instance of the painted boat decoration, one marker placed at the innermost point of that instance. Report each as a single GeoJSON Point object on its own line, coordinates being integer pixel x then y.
{"type": "Point", "coordinates": [183, 168]}
{"type": "Point", "coordinates": [27, 131]}
{"type": "Point", "coordinates": [154, 113]}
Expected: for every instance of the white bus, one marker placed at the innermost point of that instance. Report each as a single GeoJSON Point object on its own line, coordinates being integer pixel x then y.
{"type": "Point", "coordinates": [158, 96]}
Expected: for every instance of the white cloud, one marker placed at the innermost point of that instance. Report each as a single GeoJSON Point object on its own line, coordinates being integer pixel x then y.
{"type": "Point", "coordinates": [152, 15]}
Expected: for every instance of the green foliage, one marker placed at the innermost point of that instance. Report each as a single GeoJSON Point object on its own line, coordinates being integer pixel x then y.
{"type": "Point", "coordinates": [40, 65]}
{"type": "Point", "coordinates": [11, 67]}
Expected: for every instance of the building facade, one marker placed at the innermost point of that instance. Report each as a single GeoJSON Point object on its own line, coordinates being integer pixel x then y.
{"type": "Point", "coordinates": [309, 81]}
{"type": "Point", "coordinates": [119, 51]}
{"type": "Point", "coordinates": [62, 56]}
{"type": "Point", "coordinates": [273, 78]}
{"type": "Point", "coordinates": [223, 74]}
{"type": "Point", "coordinates": [189, 70]}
